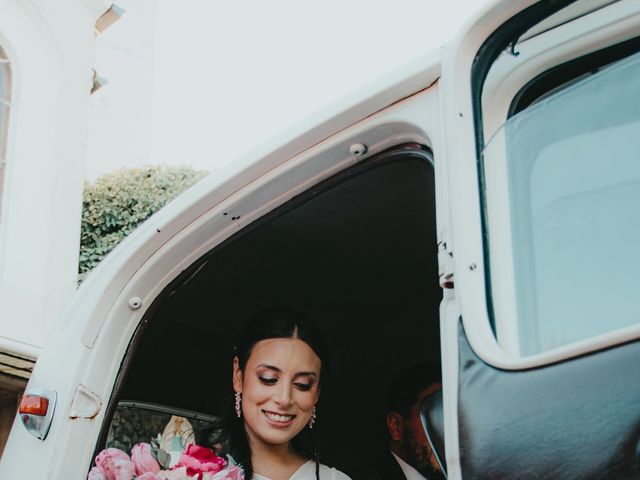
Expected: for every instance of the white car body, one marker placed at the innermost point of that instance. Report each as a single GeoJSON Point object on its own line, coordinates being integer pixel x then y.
{"type": "Point", "coordinates": [429, 103]}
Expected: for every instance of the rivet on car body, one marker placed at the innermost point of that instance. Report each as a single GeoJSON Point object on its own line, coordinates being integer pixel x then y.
{"type": "Point", "coordinates": [358, 149]}
{"type": "Point", "coordinates": [135, 303]}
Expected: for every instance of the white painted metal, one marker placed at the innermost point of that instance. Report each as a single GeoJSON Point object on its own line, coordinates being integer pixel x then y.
{"type": "Point", "coordinates": [573, 11]}
{"type": "Point", "coordinates": [449, 324]}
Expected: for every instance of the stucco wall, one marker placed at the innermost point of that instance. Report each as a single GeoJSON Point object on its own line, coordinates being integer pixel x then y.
{"type": "Point", "coordinates": [50, 46]}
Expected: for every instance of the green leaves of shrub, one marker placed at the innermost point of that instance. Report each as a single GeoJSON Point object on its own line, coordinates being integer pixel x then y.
{"type": "Point", "coordinates": [116, 203]}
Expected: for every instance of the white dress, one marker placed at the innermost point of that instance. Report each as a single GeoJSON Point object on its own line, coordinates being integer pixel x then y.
{"type": "Point", "coordinates": [307, 471]}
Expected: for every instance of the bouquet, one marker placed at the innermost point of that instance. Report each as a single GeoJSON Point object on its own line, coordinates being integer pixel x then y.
{"type": "Point", "coordinates": [164, 459]}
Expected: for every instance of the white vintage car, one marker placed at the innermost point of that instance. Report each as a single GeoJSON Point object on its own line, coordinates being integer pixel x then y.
{"type": "Point", "coordinates": [478, 208]}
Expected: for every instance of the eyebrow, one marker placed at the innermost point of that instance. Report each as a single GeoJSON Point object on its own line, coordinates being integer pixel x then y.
{"type": "Point", "coordinates": [276, 369]}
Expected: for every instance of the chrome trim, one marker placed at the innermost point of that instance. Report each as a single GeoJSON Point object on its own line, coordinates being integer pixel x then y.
{"type": "Point", "coordinates": [35, 424]}
{"type": "Point", "coordinates": [157, 407]}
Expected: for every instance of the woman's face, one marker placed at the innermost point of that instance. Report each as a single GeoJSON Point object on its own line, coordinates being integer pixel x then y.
{"type": "Point", "coordinates": [279, 389]}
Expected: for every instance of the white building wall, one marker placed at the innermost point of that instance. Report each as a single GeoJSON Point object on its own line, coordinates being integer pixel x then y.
{"type": "Point", "coordinates": [50, 45]}
{"type": "Point", "coordinates": [120, 112]}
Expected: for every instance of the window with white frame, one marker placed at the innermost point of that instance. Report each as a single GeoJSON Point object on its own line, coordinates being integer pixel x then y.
{"type": "Point", "coordinates": [569, 167]}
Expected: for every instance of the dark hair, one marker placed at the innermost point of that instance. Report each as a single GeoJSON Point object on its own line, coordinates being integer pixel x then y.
{"type": "Point", "coordinates": [275, 323]}
{"type": "Point", "coordinates": [404, 388]}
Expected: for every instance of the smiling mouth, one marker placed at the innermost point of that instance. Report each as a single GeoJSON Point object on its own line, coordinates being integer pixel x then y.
{"type": "Point", "coordinates": [278, 418]}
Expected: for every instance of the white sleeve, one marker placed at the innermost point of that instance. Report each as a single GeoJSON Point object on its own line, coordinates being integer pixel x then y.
{"type": "Point", "coordinates": [338, 475]}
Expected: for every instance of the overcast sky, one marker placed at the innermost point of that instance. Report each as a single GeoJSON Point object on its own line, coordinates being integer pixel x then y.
{"type": "Point", "coordinates": [201, 82]}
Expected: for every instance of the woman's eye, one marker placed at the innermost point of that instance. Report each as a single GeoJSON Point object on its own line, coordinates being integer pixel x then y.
{"type": "Point", "coordinates": [304, 386]}
{"type": "Point", "coordinates": [268, 380]}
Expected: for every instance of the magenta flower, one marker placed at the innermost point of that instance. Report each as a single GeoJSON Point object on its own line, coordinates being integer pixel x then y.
{"type": "Point", "coordinates": [199, 460]}
{"type": "Point", "coordinates": [143, 460]}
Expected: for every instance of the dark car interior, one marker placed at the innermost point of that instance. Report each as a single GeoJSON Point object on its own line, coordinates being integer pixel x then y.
{"type": "Point", "coordinates": [357, 253]}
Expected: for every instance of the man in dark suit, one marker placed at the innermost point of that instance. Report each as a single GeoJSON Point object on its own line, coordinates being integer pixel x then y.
{"type": "Point", "coordinates": [409, 456]}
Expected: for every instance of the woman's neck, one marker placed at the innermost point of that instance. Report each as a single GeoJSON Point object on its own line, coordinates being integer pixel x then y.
{"type": "Point", "coordinates": [276, 462]}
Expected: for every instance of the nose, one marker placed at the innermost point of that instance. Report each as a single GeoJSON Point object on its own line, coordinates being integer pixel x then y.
{"type": "Point", "coordinates": [283, 395]}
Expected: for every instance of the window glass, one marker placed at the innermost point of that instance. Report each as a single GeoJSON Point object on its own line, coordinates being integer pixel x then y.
{"type": "Point", "coordinates": [567, 170]}
{"type": "Point", "coordinates": [135, 422]}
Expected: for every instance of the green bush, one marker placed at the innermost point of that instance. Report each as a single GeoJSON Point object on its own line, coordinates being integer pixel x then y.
{"type": "Point", "coordinates": [116, 203]}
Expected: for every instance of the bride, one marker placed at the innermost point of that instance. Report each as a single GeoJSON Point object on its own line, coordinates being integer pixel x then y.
{"type": "Point", "coordinates": [279, 365]}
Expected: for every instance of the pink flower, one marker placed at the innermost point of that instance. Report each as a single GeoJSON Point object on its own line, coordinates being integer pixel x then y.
{"type": "Point", "coordinates": [175, 474]}
{"type": "Point", "coordinates": [148, 476]}
{"type": "Point", "coordinates": [143, 460]}
{"type": "Point", "coordinates": [230, 473]}
{"type": "Point", "coordinates": [115, 464]}
{"type": "Point", "coordinates": [199, 460]}
{"type": "Point", "coordinates": [96, 473]}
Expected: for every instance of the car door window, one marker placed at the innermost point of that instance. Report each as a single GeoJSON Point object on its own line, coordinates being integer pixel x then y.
{"type": "Point", "coordinates": [571, 174]}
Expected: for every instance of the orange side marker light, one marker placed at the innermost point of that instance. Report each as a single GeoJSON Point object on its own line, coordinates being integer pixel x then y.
{"type": "Point", "coordinates": [34, 405]}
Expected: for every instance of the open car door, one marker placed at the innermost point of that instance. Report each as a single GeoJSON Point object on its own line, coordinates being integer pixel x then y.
{"type": "Point", "coordinates": [541, 344]}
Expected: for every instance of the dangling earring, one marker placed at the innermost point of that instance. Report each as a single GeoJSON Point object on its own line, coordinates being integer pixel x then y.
{"type": "Point", "coordinates": [312, 419]}
{"type": "Point", "coordinates": [238, 400]}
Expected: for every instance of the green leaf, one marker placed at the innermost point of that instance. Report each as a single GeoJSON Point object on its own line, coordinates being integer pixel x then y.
{"type": "Point", "coordinates": [117, 203]}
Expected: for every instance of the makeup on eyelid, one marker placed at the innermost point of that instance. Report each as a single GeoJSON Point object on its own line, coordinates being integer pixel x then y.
{"type": "Point", "coordinates": [273, 380]}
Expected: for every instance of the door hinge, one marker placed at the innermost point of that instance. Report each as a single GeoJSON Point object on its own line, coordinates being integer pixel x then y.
{"type": "Point", "coordinates": [445, 266]}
